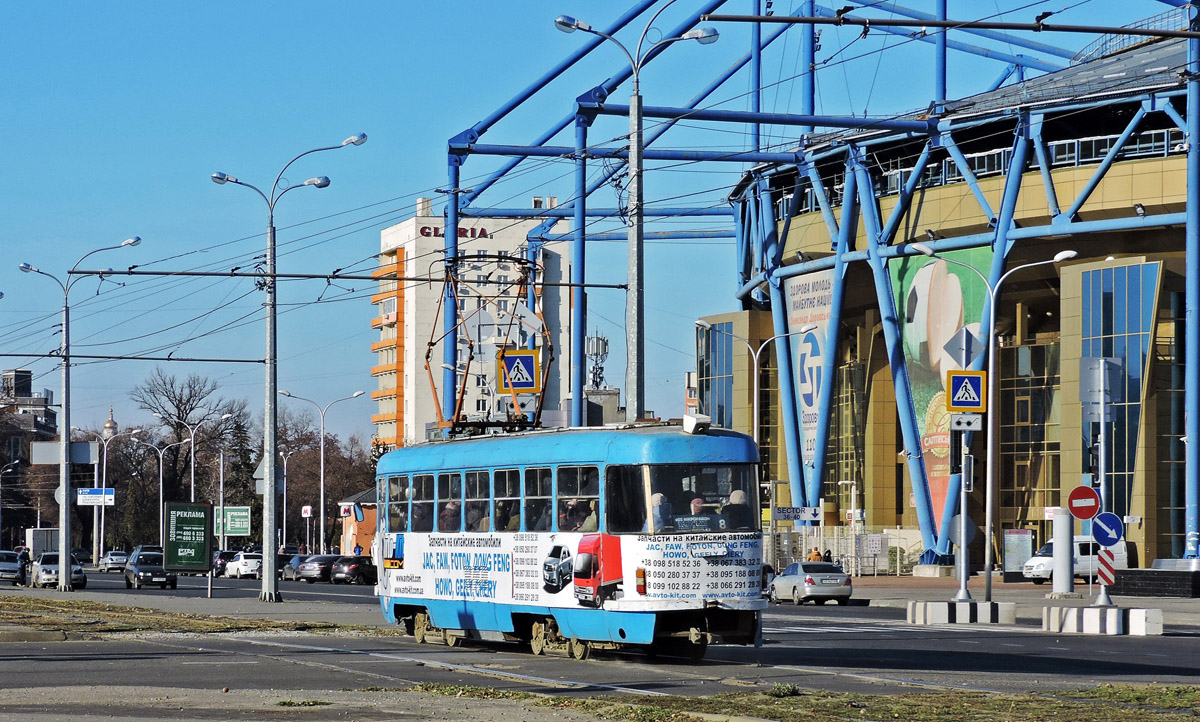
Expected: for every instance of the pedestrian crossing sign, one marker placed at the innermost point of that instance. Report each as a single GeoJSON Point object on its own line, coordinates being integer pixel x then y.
{"type": "Point", "coordinates": [966, 391]}
{"type": "Point", "coordinates": [518, 371]}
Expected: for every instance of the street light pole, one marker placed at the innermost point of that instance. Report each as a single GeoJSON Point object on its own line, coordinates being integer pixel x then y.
{"type": "Point", "coordinates": [98, 541]}
{"type": "Point", "coordinates": [635, 314]}
{"type": "Point", "coordinates": [192, 433]}
{"type": "Point", "coordinates": [16, 463]}
{"type": "Point", "coordinates": [321, 410]}
{"type": "Point", "coordinates": [64, 417]}
{"type": "Point", "coordinates": [754, 401]}
{"type": "Point", "coordinates": [270, 582]}
{"type": "Point", "coordinates": [991, 421]}
{"type": "Point", "coordinates": [161, 501]}
{"type": "Point", "coordinates": [286, 456]}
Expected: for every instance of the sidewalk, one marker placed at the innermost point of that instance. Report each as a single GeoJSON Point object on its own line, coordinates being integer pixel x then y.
{"type": "Point", "coordinates": [1030, 598]}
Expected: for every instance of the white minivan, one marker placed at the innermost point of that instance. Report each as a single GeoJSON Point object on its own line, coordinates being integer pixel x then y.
{"type": "Point", "coordinates": [1041, 565]}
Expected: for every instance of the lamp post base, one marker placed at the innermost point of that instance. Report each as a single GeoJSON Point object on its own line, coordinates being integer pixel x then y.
{"type": "Point", "coordinates": [270, 597]}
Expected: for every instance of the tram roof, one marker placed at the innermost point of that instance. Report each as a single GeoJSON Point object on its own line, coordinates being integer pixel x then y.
{"type": "Point", "coordinates": [643, 444]}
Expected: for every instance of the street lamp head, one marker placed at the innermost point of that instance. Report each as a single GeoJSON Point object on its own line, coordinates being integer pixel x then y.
{"type": "Point", "coordinates": [356, 394]}
{"type": "Point", "coordinates": [159, 416]}
{"type": "Point", "coordinates": [284, 393]}
{"type": "Point", "coordinates": [701, 323]}
{"type": "Point", "coordinates": [1064, 256]}
{"type": "Point", "coordinates": [27, 267]}
{"type": "Point", "coordinates": [568, 24]}
{"type": "Point", "coordinates": [222, 178]}
{"type": "Point", "coordinates": [355, 139]}
{"type": "Point", "coordinates": [132, 241]}
{"type": "Point", "coordinates": [226, 416]}
{"type": "Point", "coordinates": [135, 432]}
{"type": "Point", "coordinates": [808, 328]}
{"type": "Point", "coordinates": [923, 249]}
{"type": "Point", "coordinates": [704, 36]}
{"type": "Point", "coordinates": [319, 181]}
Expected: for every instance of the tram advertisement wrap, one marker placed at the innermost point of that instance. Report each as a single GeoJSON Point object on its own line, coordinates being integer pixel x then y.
{"type": "Point", "coordinates": [574, 569]}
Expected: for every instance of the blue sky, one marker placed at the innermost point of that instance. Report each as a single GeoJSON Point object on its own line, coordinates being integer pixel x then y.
{"type": "Point", "coordinates": [117, 113]}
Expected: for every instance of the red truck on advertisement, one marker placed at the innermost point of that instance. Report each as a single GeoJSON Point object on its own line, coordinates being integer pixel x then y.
{"type": "Point", "coordinates": [597, 569]}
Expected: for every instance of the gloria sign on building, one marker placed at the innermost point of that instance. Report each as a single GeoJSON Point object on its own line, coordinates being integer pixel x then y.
{"type": "Point", "coordinates": [189, 537]}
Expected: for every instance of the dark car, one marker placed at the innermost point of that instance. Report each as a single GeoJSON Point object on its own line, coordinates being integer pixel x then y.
{"type": "Point", "coordinates": [354, 570]}
{"type": "Point", "coordinates": [318, 568]}
{"type": "Point", "coordinates": [147, 568]}
{"type": "Point", "coordinates": [220, 559]}
{"type": "Point", "coordinates": [290, 568]}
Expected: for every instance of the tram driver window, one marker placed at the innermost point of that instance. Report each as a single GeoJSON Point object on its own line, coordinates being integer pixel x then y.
{"type": "Point", "coordinates": [538, 511]}
{"type": "Point", "coordinates": [422, 503]}
{"type": "Point", "coordinates": [625, 502]}
{"type": "Point", "coordinates": [449, 502]}
{"type": "Point", "coordinates": [397, 503]}
{"type": "Point", "coordinates": [507, 500]}
{"type": "Point", "coordinates": [478, 509]}
{"type": "Point", "coordinates": [578, 498]}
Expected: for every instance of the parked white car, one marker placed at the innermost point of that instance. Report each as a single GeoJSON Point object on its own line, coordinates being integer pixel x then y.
{"type": "Point", "coordinates": [1040, 566]}
{"type": "Point", "coordinates": [245, 564]}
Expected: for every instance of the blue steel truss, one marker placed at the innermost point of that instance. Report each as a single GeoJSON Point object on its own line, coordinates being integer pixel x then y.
{"type": "Point", "coordinates": [760, 237]}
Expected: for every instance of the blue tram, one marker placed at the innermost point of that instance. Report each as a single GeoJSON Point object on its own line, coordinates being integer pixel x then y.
{"type": "Point", "coordinates": [570, 540]}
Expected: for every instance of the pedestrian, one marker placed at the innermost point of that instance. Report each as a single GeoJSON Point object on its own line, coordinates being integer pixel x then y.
{"type": "Point", "coordinates": [828, 556]}
{"type": "Point", "coordinates": [357, 550]}
{"type": "Point", "coordinates": [815, 555]}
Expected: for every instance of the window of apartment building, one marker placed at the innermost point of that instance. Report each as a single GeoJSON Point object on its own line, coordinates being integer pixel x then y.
{"type": "Point", "coordinates": [387, 306]}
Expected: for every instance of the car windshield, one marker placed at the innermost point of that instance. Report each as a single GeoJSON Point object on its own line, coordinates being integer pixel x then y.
{"type": "Point", "coordinates": [325, 559]}
{"type": "Point", "coordinates": [252, 556]}
{"type": "Point", "coordinates": [8, 557]}
{"type": "Point", "coordinates": [681, 498]}
{"type": "Point", "coordinates": [150, 559]}
{"type": "Point", "coordinates": [1046, 551]}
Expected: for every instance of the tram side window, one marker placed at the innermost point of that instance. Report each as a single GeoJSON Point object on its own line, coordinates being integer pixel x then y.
{"type": "Point", "coordinates": [538, 511]}
{"type": "Point", "coordinates": [478, 509]}
{"type": "Point", "coordinates": [578, 498]}
{"type": "Point", "coordinates": [625, 503]}
{"type": "Point", "coordinates": [507, 500]}
{"type": "Point", "coordinates": [449, 502]}
{"type": "Point", "coordinates": [422, 503]}
{"type": "Point", "coordinates": [397, 503]}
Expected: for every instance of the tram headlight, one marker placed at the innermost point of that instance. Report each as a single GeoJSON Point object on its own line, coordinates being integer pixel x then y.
{"type": "Point", "coordinates": [641, 580]}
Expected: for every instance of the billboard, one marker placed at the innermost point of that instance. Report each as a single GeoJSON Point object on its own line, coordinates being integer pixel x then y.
{"type": "Point", "coordinates": [189, 537]}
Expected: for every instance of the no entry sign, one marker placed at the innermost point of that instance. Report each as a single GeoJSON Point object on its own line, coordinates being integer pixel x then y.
{"type": "Point", "coordinates": [1083, 502]}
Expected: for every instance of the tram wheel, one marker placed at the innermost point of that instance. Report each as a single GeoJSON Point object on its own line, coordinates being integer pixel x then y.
{"type": "Point", "coordinates": [695, 651]}
{"type": "Point", "coordinates": [421, 627]}
{"type": "Point", "coordinates": [579, 649]}
{"type": "Point", "coordinates": [537, 638]}
{"type": "Point", "coordinates": [451, 640]}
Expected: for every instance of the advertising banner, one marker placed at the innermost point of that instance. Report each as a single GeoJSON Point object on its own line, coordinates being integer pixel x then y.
{"type": "Point", "coordinates": [809, 299]}
{"type": "Point", "coordinates": [189, 537]}
{"type": "Point", "coordinates": [935, 300]}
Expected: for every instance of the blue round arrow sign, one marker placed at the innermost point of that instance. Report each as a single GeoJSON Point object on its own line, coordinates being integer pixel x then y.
{"type": "Point", "coordinates": [1107, 529]}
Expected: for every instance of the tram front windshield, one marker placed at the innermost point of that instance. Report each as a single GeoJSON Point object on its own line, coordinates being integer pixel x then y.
{"type": "Point", "coordinates": [681, 499]}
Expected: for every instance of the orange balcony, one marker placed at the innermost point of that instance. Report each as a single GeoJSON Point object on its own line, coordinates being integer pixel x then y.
{"type": "Point", "coordinates": [384, 394]}
{"type": "Point", "coordinates": [385, 368]}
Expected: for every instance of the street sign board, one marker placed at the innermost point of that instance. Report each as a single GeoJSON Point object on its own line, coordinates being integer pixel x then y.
{"type": "Point", "coordinates": [964, 347]}
{"type": "Point", "coordinates": [966, 422]}
{"type": "Point", "coordinates": [1107, 529]}
{"type": "Point", "coordinates": [306, 512]}
{"type": "Point", "coordinates": [797, 513]}
{"type": "Point", "coordinates": [966, 391]}
{"type": "Point", "coordinates": [189, 537]}
{"type": "Point", "coordinates": [519, 371]}
{"type": "Point", "coordinates": [260, 476]}
{"type": "Point", "coordinates": [95, 497]}
{"type": "Point", "coordinates": [1105, 570]}
{"type": "Point", "coordinates": [956, 530]}
{"type": "Point", "coordinates": [50, 452]}
{"type": "Point", "coordinates": [237, 521]}
{"type": "Point", "coordinates": [1083, 502]}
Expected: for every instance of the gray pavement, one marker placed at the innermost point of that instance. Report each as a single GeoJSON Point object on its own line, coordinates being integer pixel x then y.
{"type": "Point", "coordinates": [887, 592]}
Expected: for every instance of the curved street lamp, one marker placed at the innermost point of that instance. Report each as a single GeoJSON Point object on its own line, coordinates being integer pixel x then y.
{"type": "Point", "coordinates": [270, 584]}
{"type": "Point", "coordinates": [161, 451]}
{"type": "Point", "coordinates": [635, 314]}
{"type": "Point", "coordinates": [322, 411]}
{"type": "Point", "coordinates": [192, 434]}
{"type": "Point", "coordinates": [64, 417]}
{"type": "Point", "coordinates": [993, 293]}
{"type": "Point", "coordinates": [102, 483]}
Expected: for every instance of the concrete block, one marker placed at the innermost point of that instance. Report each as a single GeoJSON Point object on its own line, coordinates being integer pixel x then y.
{"type": "Point", "coordinates": [939, 613]}
{"type": "Point", "coordinates": [964, 613]}
{"type": "Point", "coordinates": [1061, 620]}
{"type": "Point", "coordinates": [1093, 620]}
{"type": "Point", "coordinates": [1114, 620]}
{"type": "Point", "coordinates": [1006, 613]}
{"type": "Point", "coordinates": [916, 612]}
{"type": "Point", "coordinates": [1144, 622]}
{"type": "Point", "coordinates": [933, 570]}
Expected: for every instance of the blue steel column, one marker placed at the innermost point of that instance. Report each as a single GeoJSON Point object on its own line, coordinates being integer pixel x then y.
{"type": "Point", "coordinates": [895, 351]}
{"type": "Point", "coordinates": [808, 58]}
{"type": "Point", "coordinates": [1192, 292]}
{"type": "Point", "coordinates": [578, 292]}
{"type": "Point", "coordinates": [756, 76]}
{"type": "Point", "coordinates": [847, 228]}
{"type": "Point", "coordinates": [939, 62]}
{"type": "Point", "coordinates": [449, 303]}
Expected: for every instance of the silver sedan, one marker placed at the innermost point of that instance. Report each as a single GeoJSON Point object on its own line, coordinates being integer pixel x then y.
{"type": "Point", "coordinates": [811, 581]}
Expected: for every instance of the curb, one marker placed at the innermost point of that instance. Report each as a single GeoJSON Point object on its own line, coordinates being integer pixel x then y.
{"type": "Point", "coordinates": [14, 633]}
